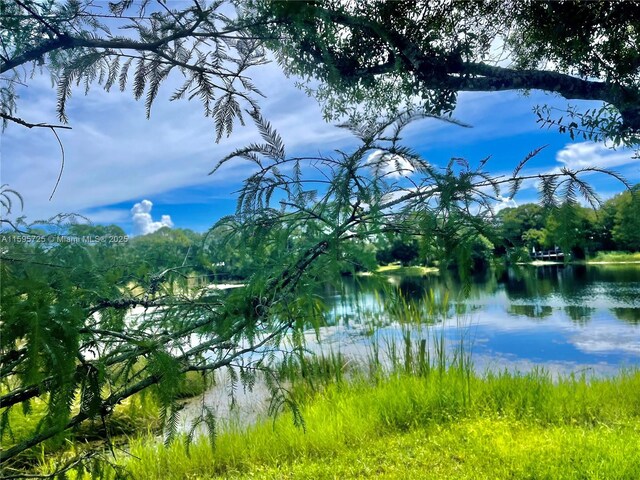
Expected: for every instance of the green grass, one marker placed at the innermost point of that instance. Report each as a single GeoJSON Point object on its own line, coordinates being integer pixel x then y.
{"type": "Point", "coordinates": [138, 413]}
{"type": "Point", "coordinates": [615, 257]}
{"type": "Point", "coordinates": [410, 271]}
{"type": "Point", "coordinates": [450, 425]}
{"type": "Point", "coordinates": [415, 412]}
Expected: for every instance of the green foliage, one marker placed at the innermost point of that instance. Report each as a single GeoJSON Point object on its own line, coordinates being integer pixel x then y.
{"type": "Point", "coordinates": [575, 229]}
{"type": "Point", "coordinates": [617, 257]}
{"type": "Point", "coordinates": [76, 42]}
{"type": "Point", "coordinates": [535, 239]}
{"type": "Point", "coordinates": [86, 326]}
{"type": "Point", "coordinates": [626, 229]}
{"type": "Point", "coordinates": [388, 56]}
{"type": "Point", "coordinates": [515, 222]}
{"type": "Point", "coordinates": [90, 325]}
{"type": "Point", "coordinates": [361, 59]}
{"type": "Point", "coordinates": [70, 341]}
{"type": "Point", "coordinates": [403, 251]}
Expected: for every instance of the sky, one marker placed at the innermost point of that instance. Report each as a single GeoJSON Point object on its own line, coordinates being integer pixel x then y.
{"type": "Point", "coordinates": [141, 174]}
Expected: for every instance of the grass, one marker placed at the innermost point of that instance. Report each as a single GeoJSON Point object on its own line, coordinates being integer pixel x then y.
{"type": "Point", "coordinates": [615, 257]}
{"type": "Point", "coordinates": [140, 412]}
{"type": "Point", "coordinates": [451, 424]}
{"type": "Point", "coordinates": [414, 412]}
{"type": "Point", "coordinates": [396, 269]}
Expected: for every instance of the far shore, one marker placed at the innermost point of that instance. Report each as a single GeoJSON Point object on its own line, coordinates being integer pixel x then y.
{"type": "Point", "coordinates": [400, 270]}
{"type": "Point", "coordinates": [539, 263]}
{"type": "Point", "coordinates": [593, 262]}
{"type": "Point", "coordinates": [224, 286]}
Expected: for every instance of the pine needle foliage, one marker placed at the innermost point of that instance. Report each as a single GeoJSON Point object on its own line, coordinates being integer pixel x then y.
{"type": "Point", "coordinates": [78, 44]}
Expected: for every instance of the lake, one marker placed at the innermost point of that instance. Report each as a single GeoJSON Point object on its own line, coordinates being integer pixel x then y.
{"type": "Point", "coordinates": [564, 318]}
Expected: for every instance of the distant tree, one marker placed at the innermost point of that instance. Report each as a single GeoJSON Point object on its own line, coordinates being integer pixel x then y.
{"type": "Point", "coordinates": [400, 250]}
{"type": "Point", "coordinates": [573, 228]}
{"type": "Point", "coordinates": [105, 233]}
{"type": "Point", "coordinates": [626, 229]}
{"type": "Point", "coordinates": [535, 238]}
{"type": "Point", "coordinates": [604, 223]}
{"type": "Point", "coordinates": [514, 223]}
{"type": "Point", "coordinates": [165, 248]}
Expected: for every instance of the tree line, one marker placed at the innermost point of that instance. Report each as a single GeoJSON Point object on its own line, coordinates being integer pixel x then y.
{"type": "Point", "coordinates": [576, 229]}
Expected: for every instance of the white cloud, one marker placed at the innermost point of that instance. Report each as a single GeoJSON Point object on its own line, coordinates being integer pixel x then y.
{"type": "Point", "coordinates": [114, 155]}
{"type": "Point", "coordinates": [503, 203]}
{"type": "Point", "coordinates": [591, 154]}
{"type": "Point", "coordinates": [389, 165]}
{"type": "Point", "coordinates": [576, 156]}
{"type": "Point", "coordinates": [143, 222]}
{"type": "Point", "coordinates": [607, 339]}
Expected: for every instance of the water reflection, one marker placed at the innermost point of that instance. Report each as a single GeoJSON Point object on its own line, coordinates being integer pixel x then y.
{"type": "Point", "coordinates": [531, 311]}
{"type": "Point", "coordinates": [584, 315]}
{"type": "Point", "coordinates": [626, 314]}
{"type": "Point", "coordinates": [579, 314]}
{"type": "Point", "coordinates": [575, 284]}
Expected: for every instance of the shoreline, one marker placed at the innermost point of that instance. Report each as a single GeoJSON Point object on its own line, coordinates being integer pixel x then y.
{"type": "Point", "coordinates": [399, 269]}
{"type": "Point", "coordinates": [609, 262]}
{"type": "Point", "coordinates": [540, 263]}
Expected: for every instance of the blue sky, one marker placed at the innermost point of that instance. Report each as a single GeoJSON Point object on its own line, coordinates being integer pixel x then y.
{"type": "Point", "coordinates": [115, 158]}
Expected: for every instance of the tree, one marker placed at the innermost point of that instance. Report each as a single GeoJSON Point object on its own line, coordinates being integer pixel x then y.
{"type": "Point", "coordinates": [387, 55]}
{"type": "Point", "coordinates": [604, 225]}
{"type": "Point", "coordinates": [626, 229]}
{"type": "Point", "coordinates": [74, 41]}
{"type": "Point", "coordinates": [165, 248]}
{"type": "Point", "coordinates": [66, 332]}
{"type": "Point", "coordinates": [535, 239]}
{"type": "Point", "coordinates": [573, 228]}
{"type": "Point", "coordinates": [369, 57]}
{"type": "Point", "coordinates": [68, 340]}
{"type": "Point", "coordinates": [400, 250]}
{"type": "Point", "coordinates": [513, 223]}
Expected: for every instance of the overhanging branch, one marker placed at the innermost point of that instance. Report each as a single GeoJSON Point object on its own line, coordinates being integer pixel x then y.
{"type": "Point", "coordinates": [448, 71]}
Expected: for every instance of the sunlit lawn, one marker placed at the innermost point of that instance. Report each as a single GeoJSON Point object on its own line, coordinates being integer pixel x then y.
{"type": "Point", "coordinates": [440, 426]}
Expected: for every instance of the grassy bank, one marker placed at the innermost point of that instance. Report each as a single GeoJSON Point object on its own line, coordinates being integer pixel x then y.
{"type": "Point", "coordinates": [409, 271]}
{"type": "Point", "coordinates": [451, 424]}
{"type": "Point", "coordinates": [615, 257]}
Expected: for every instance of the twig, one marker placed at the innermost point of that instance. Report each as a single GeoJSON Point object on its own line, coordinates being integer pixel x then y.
{"type": "Point", "coordinates": [31, 125]}
{"type": "Point", "coordinates": [55, 187]}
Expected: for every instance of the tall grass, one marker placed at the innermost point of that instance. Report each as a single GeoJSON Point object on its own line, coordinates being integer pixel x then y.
{"type": "Point", "coordinates": [416, 408]}
{"type": "Point", "coordinates": [421, 395]}
{"type": "Point", "coordinates": [571, 428]}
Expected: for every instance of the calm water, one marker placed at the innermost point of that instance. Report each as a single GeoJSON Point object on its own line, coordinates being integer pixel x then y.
{"type": "Point", "coordinates": [567, 319]}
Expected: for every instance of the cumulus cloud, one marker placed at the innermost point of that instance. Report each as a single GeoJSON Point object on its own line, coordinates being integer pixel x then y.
{"type": "Point", "coordinates": [151, 157]}
{"type": "Point", "coordinates": [390, 165]}
{"type": "Point", "coordinates": [143, 222]}
{"type": "Point", "coordinates": [591, 154]}
{"type": "Point", "coordinates": [504, 202]}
